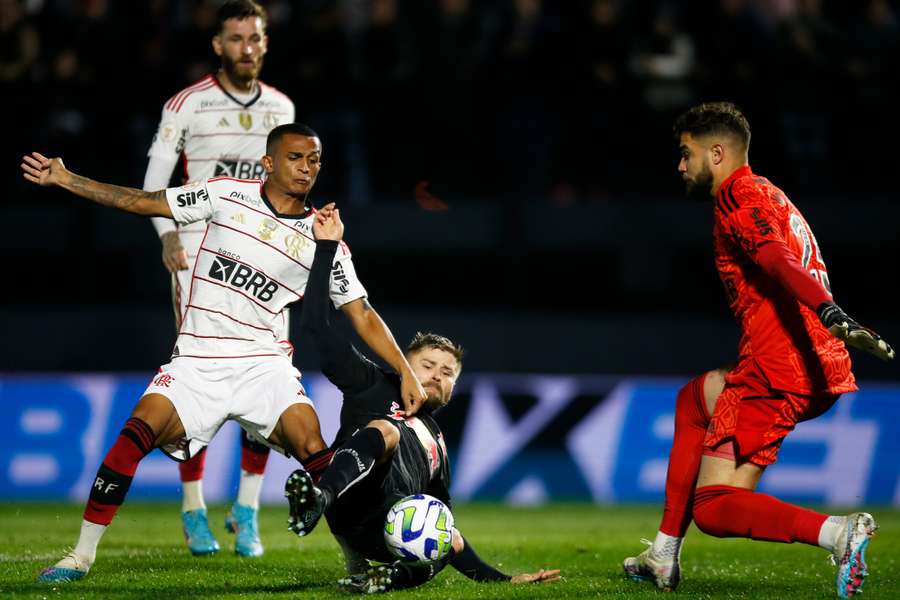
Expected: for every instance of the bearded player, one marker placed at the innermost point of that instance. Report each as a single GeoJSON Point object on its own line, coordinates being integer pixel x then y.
{"type": "Point", "coordinates": [792, 365]}
{"type": "Point", "coordinates": [217, 127]}
{"type": "Point", "coordinates": [231, 360]}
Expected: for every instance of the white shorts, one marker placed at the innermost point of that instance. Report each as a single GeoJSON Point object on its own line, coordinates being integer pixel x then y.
{"type": "Point", "coordinates": [206, 393]}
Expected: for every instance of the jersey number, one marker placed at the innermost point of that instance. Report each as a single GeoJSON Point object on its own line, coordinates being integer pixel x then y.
{"type": "Point", "coordinates": [810, 251]}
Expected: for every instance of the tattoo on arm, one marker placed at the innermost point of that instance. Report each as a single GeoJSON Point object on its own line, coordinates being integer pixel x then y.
{"type": "Point", "coordinates": [124, 198]}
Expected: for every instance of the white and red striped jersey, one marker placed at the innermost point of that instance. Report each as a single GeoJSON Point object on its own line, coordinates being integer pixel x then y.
{"type": "Point", "coordinates": [252, 263]}
{"type": "Point", "coordinates": [212, 133]}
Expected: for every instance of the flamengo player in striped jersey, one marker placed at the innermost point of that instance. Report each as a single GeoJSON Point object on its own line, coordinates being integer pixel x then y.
{"type": "Point", "coordinates": [792, 365]}
{"type": "Point", "coordinates": [217, 126]}
{"type": "Point", "coordinates": [231, 359]}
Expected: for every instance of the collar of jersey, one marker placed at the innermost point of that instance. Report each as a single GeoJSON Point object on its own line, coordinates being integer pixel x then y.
{"type": "Point", "coordinates": [252, 100]}
{"type": "Point", "coordinates": [740, 172]}
{"type": "Point", "coordinates": [309, 207]}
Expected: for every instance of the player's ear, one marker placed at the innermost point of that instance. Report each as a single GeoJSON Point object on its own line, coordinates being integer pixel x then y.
{"type": "Point", "coordinates": [717, 153]}
{"type": "Point", "coordinates": [268, 164]}
{"type": "Point", "coordinates": [217, 45]}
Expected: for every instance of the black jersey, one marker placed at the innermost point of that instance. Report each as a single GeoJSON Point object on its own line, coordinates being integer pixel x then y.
{"type": "Point", "coordinates": [370, 392]}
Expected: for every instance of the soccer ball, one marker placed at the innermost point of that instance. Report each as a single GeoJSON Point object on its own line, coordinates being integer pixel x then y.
{"type": "Point", "coordinates": [419, 529]}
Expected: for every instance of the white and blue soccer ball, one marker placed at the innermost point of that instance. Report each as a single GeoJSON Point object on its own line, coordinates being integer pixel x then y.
{"type": "Point", "coordinates": [419, 529]}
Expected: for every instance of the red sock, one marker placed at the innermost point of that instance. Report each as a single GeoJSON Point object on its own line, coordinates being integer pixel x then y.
{"type": "Point", "coordinates": [114, 476]}
{"type": "Point", "coordinates": [192, 469]}
{"type": "Point", "coordinates": [691, 421]}
{"type": "Point", "coordinates": [254, 455]}
{"type": "Point", "coordinates": [315, 464]}
{"type": "Point", "coordinates": [726, 511]}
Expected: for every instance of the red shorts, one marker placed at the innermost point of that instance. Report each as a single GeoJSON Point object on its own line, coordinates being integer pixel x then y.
{"type": "Point", "coordinates": [751, 419]}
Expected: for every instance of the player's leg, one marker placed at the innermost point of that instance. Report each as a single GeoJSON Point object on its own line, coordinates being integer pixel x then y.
{"type": "Point", "coordinates": [153, 422]}
{"type": "Point", "coordinates": [242, 519]}
{"type": "Point", "coordinates": [726, 504]}
{"type": "Point", "coordinates": [351, 463]}
{"type": "Point", "coordinates": [194, 520]}
{"type": "Point", "coordinates": [693, 406]}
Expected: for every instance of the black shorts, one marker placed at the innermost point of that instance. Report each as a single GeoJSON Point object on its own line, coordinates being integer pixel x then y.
{"type": "Point", "coordinates": [358, 515]}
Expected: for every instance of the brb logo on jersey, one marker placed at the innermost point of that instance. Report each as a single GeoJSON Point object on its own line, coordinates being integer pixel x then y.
{"type": "Point", "coordinates": [191, 198]}
{"type": "Point", "coordinates": [239, 169]}
{"type": "Point", "coordinates": [241, 276]}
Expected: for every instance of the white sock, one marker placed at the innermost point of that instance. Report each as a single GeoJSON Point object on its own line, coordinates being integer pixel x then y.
{"type": "Point", "coordinates": [86, 548]}
{"type": "Point", "coordinates": [249, 489]}
{"type": "Point", "coordinates": [666, 546]}
{"type": "Point", "coordinates": [830, 530]}
{"type": "Point", "coordinates": [192, 495]}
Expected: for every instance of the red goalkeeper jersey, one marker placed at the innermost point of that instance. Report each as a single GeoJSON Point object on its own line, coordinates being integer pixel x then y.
{"type": "Point", "coordinates": [783, 336]}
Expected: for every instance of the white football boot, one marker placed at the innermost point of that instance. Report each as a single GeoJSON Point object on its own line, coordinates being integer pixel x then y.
{"type": "Point", "coordinates": [665, 573]}
{"type": "Point", "coordinates": [850, 553]}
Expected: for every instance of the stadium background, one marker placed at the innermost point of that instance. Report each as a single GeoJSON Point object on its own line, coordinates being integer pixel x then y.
{"type": "Point", "coordinates": [568, 263]}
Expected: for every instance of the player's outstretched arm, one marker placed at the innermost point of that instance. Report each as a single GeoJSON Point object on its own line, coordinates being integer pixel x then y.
{"type": "Point", "coordinates": [44, 171]}
{"type": "Point", "coordinates": [854, 334]}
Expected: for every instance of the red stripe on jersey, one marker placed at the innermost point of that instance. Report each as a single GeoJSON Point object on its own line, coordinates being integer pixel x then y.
{"type": "Point", "coordinates": [248, 109]}
{"type": "Point", "coordinates": [215, 357]}
{"type": "Point", "coordinates": [200, 135]}
{"type": "Point", "coordinates": [186, 96]}
{"type": "Point", "coordinates": [270, 215]}
{"type": "Point", "coordinates": [174, 99]}
{"type": "Point", "coordinates": [231, 178]}
{"type": "Point", "coordinates": [191, 290]}
{"type": "Point", "coordinates": [236, 320]}
{"type": "Point", "coordinates": [231, 289]}
{"type": "Point", "coordinates": [287, 256]}
{"type": "Point", "coordinates": [299, 296]}
{"type": "Point", "coordinates": [216, 337]}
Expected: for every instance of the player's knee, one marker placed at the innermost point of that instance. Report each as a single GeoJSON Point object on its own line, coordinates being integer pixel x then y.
{"type": "Point", "coordinates": [390, 434]}
{"type": "Point", "coordinates": [159, 413]}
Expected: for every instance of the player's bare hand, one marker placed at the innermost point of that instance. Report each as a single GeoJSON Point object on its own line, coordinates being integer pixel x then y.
{"type": "Point", "coordinates": [325, 211]}
{"type": "Point", "coordinates": [862, 338]}
{"type": "Point", "coordinates": [329, 227]}
{"type": "Point", "coordinates": [411, 392]}
{"type": "Point", "coordinates": [41, 170]}
{"type": "Point", "coordinates": [174, 256]}
{"type": "Point", "coordinates": [542, 576]}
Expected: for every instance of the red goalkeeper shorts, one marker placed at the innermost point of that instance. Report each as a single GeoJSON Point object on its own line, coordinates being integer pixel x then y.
{"type": "Point", "coordinates": [751, 420]}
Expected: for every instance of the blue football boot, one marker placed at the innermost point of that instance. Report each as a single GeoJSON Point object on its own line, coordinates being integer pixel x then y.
{"type": "Point", "coordinates": [242, 521]}
{"type": "Point", "coordinates": [70, 568]}
{"type": "Point", "coordinates": [199, 538]}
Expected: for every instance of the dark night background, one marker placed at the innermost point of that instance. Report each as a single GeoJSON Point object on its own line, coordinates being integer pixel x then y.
{"type": "Point", "coordinates": [545, 126]}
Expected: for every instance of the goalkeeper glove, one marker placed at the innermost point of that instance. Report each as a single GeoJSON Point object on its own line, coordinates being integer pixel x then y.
{"type": "Point", "coordinates": [843, 327]}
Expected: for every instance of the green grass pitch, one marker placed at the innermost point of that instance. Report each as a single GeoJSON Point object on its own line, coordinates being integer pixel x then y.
{"type": "Point", "coordinates": [143, 556]}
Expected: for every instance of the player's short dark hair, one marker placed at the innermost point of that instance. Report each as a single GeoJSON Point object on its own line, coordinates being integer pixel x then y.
{"type": "Point", "coordinates": [276, 134]}
{"type": "Point", "coordinates": [240, 10]}
{"type": "Point", "coordinates": [713, 118]}
{"type": "Point", "coordinates": [421, 341]}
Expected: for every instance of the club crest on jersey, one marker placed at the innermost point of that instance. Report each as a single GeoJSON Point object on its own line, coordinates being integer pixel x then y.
{"type": "Point", "coordinates": [241, 276]}
{"type": "Point", "coordinates": [246, 120]}
{"type": "Point", "coordinates": [295, 244]}
{"type": "Point", "coordinates": [270, 121]}
{"type": "Point", "coordinates": [267, 229]}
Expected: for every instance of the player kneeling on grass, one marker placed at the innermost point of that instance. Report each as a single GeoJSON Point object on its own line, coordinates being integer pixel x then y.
{"type": "Point", "coordinates": [792, 365]}
{"type": "Point", "coordinates": [380, 456]}
{"type": "Point", "coordinates": [232, 359]}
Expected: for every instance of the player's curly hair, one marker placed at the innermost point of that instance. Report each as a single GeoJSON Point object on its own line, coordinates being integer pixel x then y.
{"type": "Point", "coordinates": [239, 9]}
{"type": "Point", "coordinates": [433, 340]}
{"type": "Point", "coordinates": [713, 117]}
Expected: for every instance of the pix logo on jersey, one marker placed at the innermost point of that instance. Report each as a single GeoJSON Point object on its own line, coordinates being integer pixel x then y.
{"type": "Point", "coordinates": [191, 198]}
{"type": "Point", "coordinates": [243, 277]}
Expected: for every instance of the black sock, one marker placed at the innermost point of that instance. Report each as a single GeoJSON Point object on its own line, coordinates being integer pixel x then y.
{"type": "Point", "coordinates": [352, 462]}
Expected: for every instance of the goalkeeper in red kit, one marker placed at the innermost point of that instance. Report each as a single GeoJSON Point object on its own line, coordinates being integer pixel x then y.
{"type": "Point", "coordinates": [792, 365]}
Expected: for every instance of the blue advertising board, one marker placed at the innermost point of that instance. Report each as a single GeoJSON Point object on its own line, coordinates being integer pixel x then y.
{"type": "Point", "coordinates": [516, 438]}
